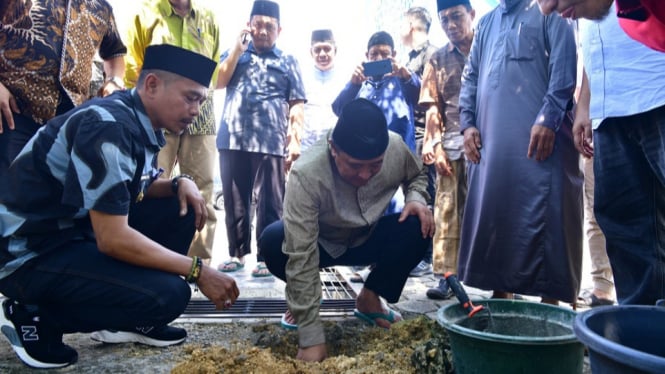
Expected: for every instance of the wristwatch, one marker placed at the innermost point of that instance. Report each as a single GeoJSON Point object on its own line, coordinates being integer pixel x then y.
{"type": "Point", "coordinates": [117, 81]}
{"type": "Point", "coordinates": [174, 182]}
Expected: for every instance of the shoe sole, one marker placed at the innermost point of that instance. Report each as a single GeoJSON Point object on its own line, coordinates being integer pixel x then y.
{"type": "Point", "coordinates": [9, 331]}
{"type": "Point", "coordinates": [130, 337]}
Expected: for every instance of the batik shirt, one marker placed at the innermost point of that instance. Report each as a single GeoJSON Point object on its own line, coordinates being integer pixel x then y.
{"type": "Point", "coordinates": [57, 40]}
{"type": "Point", "coordinates": [256, 111]}
{"type": "Point", "coordinates": [396, 97]}
{"type": "Point", "coordinates": [100, 156]}
{"type": "Point", "coordinates": [441, 86]}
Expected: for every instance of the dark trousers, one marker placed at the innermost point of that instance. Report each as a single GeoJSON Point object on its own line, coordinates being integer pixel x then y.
{"type": "Point", "coordinates": [629, 198]}
{"type": "Point", "coordinates": [76, 288]}
{"type": "Point", "coordinates": [394, 247]}
{"type": "Point", "coordinates": [13, 141]}
{"type": "Point", "coordinates": [246, 175]}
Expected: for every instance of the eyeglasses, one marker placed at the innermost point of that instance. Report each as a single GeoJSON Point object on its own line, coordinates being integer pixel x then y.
{"type": "Point", "coordinates": [455, 18]}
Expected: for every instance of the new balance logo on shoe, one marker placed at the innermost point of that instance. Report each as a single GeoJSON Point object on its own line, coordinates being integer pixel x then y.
{"type": "Point", "coordinates": [29, 333]}
{"type": "Point", "coordinates": [36, 344]}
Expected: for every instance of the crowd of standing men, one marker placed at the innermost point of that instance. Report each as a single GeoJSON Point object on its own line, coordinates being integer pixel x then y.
{"type": "Point", "coordinates": [466, 157]}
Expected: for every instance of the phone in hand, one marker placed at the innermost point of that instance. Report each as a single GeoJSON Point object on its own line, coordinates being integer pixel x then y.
{"type": "Point", "coordinates": [245, 38]}
{"type": "Point", "coordinates": [377, 69]}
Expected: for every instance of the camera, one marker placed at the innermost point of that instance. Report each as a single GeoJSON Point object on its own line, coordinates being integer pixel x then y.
{"type": "Point", "coordinates": [377, 69]}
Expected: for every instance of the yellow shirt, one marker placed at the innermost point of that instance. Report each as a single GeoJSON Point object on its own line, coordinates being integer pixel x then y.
{"type": "Point", "coordinates": [158, 23]}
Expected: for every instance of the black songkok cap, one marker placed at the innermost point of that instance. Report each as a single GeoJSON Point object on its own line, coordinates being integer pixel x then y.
{"type": "Point", "coordinates": [322, 36]}
{"type": "Point", "coordinates": [265, 8]}
{"type": "Point", "coordinates": [445, 4]}
{"type": "Point", "coordinates": [179, 61]}
{"type": "Point", "coordinates": [361, 130]}
{"type": "Point", "coordinates": [380, 38]}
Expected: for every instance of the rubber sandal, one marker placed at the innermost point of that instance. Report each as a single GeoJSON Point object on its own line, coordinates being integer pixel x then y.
{"type": "Point", "coordinates": [285, 324]}
{"type": "Point", "coordinates": [230, 266]}
{"type": "Point", "coordinates": [258, 272]}
{"type": "Point", "coordinates": [392, 316]}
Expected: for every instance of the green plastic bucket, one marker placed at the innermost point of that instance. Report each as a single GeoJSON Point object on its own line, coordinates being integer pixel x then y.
{"type": "Point", "coordinates": [521, 337]}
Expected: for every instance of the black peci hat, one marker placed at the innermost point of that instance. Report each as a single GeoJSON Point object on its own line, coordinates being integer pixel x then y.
{"type": "Point", "coordinates": [361, 130]}
{"type": "Point", "coordinates": [179, 61]}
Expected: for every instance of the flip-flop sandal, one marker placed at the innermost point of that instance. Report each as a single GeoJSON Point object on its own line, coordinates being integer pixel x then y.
{"type": "Point", "coordinates": [230, 266]}
{"type": "Point", "coordinates": [261, 271]}
{"type": "Point", "coordinates": [287, 325]}
{"type": "Point", "coordinates": [392, 316]}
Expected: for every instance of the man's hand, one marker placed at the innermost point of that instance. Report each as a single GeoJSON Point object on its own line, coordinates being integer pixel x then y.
{"type": "Point", "coordinates": [582, 135]}
{"type": "Point", "coordinates": [243, 40]}
{"type": "Point", "coordinates": [315, 353]}
{"type": "Point", "coordinates": [441, 162]}
{"type": "Point", "coordinates": [220, 288]}
{"type": "Point", "coordinates": [541, 142]}
{"type": "Point", "coordinates": [358, 75]}
{"type": "Point", "coordinates": [414, 208]}
{"type": "Point", "coordinates": [399, 71]}
{"type": "Point", "coordinates": [472, 144]}
{"type": "Point", "coordinates": [108, 88]}
{"type": "Point", "coordinates": [293, 152]}
{"type": "Point", "coordinates": [7, 106]}
{"type": "Point", "coordinates": [188, 193]}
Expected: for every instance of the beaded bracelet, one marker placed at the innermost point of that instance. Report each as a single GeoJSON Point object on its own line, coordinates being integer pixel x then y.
{"type": "Point", "coordinates": [195, 271]}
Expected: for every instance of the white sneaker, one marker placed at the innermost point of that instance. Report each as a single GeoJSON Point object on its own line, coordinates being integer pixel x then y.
{"type": "Point", "coordinates": [156, 337]}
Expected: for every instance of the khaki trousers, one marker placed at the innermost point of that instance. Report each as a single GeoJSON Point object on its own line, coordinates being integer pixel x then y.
{"type": "Point", "coordinates": [195, 156]}
{"type": "Point", "coordinates": [448, 208]}
{"type": "Point", "coordinates": [601, 271]}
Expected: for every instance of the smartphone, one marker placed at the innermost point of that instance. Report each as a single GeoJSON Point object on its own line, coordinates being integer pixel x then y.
{"type": "Point", "coordinates": [245, 38]}
{"type": "Point", "coordinates": [377, 69]}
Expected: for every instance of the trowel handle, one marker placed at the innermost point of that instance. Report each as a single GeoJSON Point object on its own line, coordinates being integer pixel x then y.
{"type": "Point", "coordinates": [461, 295]}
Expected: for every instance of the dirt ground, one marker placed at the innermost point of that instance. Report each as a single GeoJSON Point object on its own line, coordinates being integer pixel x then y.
{"type": "Point", "coordinates": [416, 345]}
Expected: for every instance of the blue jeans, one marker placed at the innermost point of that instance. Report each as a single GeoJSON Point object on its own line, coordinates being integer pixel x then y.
{"type": "Point", "coordinates": [629, 167]}
{"type": "Point", "coordinates": [77, 288]}
{"type": "Point", "coordinates": [394, 247]}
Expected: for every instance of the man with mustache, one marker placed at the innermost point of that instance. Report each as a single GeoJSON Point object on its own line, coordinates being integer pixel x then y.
{"type": "Point", "coordinates": [259, 135]}
{"type": "Point", "coordinates": [189, 25]}
{"type": "Point", "coordinates": [92, 239]}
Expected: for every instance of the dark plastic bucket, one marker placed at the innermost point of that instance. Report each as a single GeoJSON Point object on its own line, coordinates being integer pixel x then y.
{"type": "Point", "coordinates": [524, 337]}
{"type": "Point", "coordinates": [624, 338]}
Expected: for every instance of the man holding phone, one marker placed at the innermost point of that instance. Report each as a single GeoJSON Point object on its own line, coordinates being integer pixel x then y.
{"type": "Point", "coordinates": [386, 83]}
{"type": "Point", "coordinates": [259, 135]}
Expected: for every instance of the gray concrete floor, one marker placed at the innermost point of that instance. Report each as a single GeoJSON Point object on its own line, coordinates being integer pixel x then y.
{"type": "Point", "coordinates": [413, 297]}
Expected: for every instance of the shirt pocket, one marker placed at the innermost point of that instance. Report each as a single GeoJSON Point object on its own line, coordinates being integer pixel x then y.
{"type": "Point", "coordinates": [277, 76]}
{"type": "Point", "coordinates": [522, 43]}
